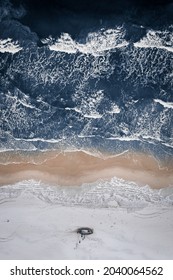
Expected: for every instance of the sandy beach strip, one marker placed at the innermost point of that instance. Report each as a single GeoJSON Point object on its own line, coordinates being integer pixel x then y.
{"type": "Point", "coordinates": [78, 167]}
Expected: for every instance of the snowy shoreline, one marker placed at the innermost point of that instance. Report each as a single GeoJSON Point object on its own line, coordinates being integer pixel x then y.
{"type": "Point", "coordinates": [35, 227]}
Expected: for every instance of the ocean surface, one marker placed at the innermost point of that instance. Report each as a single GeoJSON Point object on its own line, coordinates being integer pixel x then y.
{"type": "Point", "coordinates": [95, 76]}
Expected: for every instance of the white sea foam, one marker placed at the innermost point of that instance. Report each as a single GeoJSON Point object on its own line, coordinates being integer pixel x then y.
{"type": "Point", "coordinates": [20, 98]}
{"type": "Point", "coordinates": [124, 138]}
{"type": "Point", "coordinates": [89, 115]}
{"type": "Point", "coordinates": [38, 139]}
{"type": "Point", "coordinates": [88, 105]}
{"type": "Point", "coordinates": [168, 145]}
{"type": "Point", "coordinates": [93, 116]}
{"type": "Point", "coordinates": [156, 39]}
{"type": "Point", "coordinates": [164, 104]}
{"type": "Point", "coordinates": [109, 39]}
{"type": "Point", "coordinates": [114, 109]}
{"type": "Point", "coordinates": [96, 42]}
{"type": "Point", "coordinates": [7, 45]}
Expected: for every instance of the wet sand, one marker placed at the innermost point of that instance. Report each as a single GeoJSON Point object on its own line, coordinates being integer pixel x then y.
{"type": "Point", "coordinates": [76, 168]}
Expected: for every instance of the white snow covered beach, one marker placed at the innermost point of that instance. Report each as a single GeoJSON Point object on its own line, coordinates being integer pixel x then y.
{"type": "Point", "coordinates": [129, 222]}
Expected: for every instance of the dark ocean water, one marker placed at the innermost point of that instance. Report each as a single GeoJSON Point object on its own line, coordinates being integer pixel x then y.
{"type": "Point", "coordinates": [87, 75]}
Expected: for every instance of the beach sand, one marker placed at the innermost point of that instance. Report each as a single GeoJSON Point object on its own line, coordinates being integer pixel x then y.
{"type": "Point", "coordinates": [78, 167]}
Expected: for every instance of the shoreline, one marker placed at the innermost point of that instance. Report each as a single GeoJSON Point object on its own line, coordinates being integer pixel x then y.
{"type": "Point", "coordinates": [69, 168]}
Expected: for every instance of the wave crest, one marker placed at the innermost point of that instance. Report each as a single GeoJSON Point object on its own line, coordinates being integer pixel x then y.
{"type": "Point", "coordinates": [7, 45]}
{"type": "Point", "coordinates": [96, 42]}
{"type": "Point", "coordinates": [157, 39]}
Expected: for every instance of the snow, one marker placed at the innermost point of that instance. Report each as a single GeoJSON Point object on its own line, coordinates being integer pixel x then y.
{"type": "Point", "coordinates": [35, 228]}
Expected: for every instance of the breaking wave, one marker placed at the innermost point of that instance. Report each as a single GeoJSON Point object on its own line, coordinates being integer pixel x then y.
{"type": "Point", "coordinates": [96, 43]}
{"type": "Point", "coordinates": [157, 39]}
{"type": "Point", "coordinates": [7, 45]}
{"type": "Point", "coordinates": [108, 88]}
